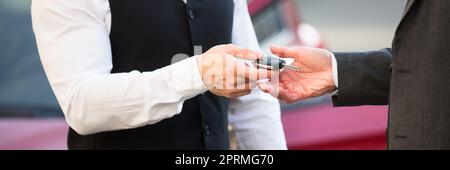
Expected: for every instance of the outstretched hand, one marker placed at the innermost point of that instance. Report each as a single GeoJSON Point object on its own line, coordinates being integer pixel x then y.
{"type": "Point", "coordinates": [315, 77]}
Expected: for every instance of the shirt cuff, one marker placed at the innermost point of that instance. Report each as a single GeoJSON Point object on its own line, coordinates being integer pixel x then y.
{"type": "Point", "coordinates": [188, 80]}
{"type": "Point", "coordinates": [334, 69]}
{"type": "Point", "coordinates": [197, 77]}
{"type": "Point", "coordinates": [335, 73]}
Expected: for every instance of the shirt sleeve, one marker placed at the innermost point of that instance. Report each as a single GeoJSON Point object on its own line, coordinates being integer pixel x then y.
{"type": "Point", "coordinates": [334, 69]}
{"type": "Point", "coordinates": [256, 117]}
{"type": "Point", "coordinates": [74, 47]}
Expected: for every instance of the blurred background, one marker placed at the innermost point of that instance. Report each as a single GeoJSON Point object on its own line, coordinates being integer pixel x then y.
{"type": "Point", "coordinates": [30, 117]}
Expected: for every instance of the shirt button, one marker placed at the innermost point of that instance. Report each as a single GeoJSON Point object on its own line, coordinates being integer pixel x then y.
{"type": "Point", "coordinates": [207, 130]}
{"type": "Point", "coordinates": [191, 14]}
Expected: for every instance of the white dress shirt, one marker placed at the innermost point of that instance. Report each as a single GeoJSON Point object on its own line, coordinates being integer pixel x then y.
{"type": "Point", "coordinates": [73, 41]}
{"type": "Point", "coordinates": [334, 68]}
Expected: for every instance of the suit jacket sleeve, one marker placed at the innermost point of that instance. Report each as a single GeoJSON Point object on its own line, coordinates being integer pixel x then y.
{"type": "Point", "coordinates": [363, 77]}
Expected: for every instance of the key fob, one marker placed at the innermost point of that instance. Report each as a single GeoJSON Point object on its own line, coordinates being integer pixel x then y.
{"type": "Point", "coordinates": [270, 63]}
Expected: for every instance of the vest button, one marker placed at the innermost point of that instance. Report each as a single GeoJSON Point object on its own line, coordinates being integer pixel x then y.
{"type": "Point", "coordinates": [207, 130]}
{"type": "Point", "coordinates": [191, 14]}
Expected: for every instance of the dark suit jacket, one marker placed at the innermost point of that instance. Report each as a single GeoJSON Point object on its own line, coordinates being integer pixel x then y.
{"type": "Point", "coordinates": [413, 77]}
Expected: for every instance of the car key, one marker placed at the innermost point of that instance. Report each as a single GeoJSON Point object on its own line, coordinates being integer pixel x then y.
{"type": "Point", "coordinates": [274, 63]}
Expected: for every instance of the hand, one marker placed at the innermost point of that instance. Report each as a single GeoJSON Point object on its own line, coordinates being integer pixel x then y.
{"type": "Point", "coordinates": [224, 75]}
{"type": "Point", "coordinates": [315, 77]}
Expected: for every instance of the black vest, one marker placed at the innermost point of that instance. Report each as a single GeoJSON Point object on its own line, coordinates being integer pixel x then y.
{"type": "Point", "coordinates": [145, 35]}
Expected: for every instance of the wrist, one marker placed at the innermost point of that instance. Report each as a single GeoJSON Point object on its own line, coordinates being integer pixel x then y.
{"type": "Point", "coordinates": [203, 70]}
{"type": "Point", "coordinates": [200, 71]}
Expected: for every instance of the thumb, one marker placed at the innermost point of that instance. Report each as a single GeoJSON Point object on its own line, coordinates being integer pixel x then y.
{"type": "Point", "coordinates": [253, 73]}
{"type": "Point", "coordinates": [284, 52]}
{"type": "Point", "coordinates": [242, 53]}
{"type": "Point", "coordinates": [232, 49]}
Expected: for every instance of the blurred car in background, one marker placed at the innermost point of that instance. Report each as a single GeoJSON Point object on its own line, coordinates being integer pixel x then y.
{"type": "Point", "coordinates": [314, 123]}
{"type": "Point", "coordinates": [30, 117]}
{"type": "Point", "coordinates": [278, 22]}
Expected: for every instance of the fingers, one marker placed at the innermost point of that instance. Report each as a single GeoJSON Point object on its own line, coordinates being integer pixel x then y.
{"type": "Point", "coordinates": [244, 84]}
{"type": "Point", "coordinates": [258, 74]}
{"type": "Point", "coordinates": [282, 93]}
{"type": "Point", "coordinates": [243, 93]}
{"type": "Point", "coordinates": [284, 52]}
{"type": "Point", "coordinates": [286, 96]}
{"type": "Point", "coordinates": [265, 88]}
{"type": "Point", "coordinates": [232, 93]}
{"type": "Point", "coordinates": [249, 73]}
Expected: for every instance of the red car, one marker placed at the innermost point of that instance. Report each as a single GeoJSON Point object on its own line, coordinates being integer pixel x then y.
{"type": "Point", "coordinates": [311, 124]}
{"type": "Point", "coordinates": [315, 124]}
